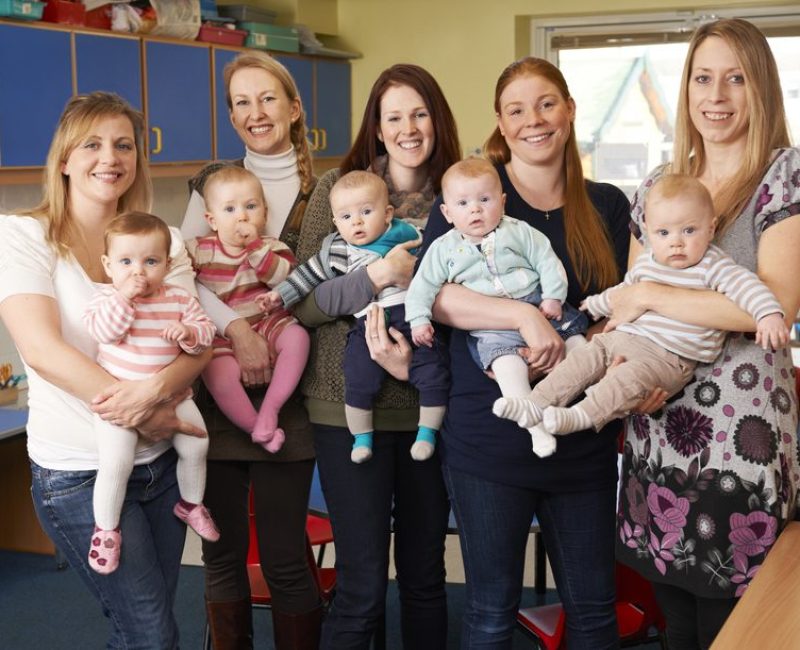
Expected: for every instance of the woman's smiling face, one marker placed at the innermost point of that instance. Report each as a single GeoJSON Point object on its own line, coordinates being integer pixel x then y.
{"type": "Point", "coordinates": [406, 127]}
{"type": "Point", "coordinates": [717, 93]}
{"type": "Point", "coordinates": [261, 111]}
{"type": "Point", "coordinates": [535, 120]}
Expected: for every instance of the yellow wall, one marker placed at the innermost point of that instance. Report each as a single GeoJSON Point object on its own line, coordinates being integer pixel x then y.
{"type": "Point", "coordinates": [463, 43]}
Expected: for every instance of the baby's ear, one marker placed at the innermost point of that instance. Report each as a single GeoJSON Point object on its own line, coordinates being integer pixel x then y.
{"type": "Point", "coordinates": [443, 208]}
{"type": "Point", "coordinates": [389, 213]}
{"type": "Point", "coordinates": [212, 223]}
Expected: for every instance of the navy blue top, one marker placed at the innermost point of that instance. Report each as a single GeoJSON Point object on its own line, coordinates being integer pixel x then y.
{"type": "Point", "coordinates": [476, 441]}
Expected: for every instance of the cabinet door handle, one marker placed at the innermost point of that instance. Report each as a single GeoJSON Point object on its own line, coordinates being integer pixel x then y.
{"type": "Point", "coordinates": [324, 144]}
{"type": "Point", "coordinates": [314, 139]}
{"type": "Point", "coordinates": [157, 132]}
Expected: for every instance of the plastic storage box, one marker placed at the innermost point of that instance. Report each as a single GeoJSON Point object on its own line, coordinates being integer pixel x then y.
{"type": "Point", "coordinates": [246, 13]}
{"type": "Point", "coordinates": [271, 37]}
{"type": "Point", "coordinates": [211, 33]}
{"type": "Point", "coordinates": [99, 18]}
{"type": "Point", "coordinates": [23, 10]}
{"type": "Point", "coordinates": [62, 11]}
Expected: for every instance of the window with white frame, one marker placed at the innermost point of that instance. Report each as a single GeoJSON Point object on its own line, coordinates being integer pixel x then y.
{"type": "Point", "coordinates": [624, 72]}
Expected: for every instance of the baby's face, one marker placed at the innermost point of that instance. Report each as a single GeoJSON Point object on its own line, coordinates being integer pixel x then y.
{"type": "Point", "coordinates": [361, 214]}
{"type": "Point", "coordinates": [473, 205]}
{"type": "Point", "coordinates": [145, 256]}
{"type": "Point", "coordinates": [679, 230]}
{"type": "Point", "coordinates": [236, 211]}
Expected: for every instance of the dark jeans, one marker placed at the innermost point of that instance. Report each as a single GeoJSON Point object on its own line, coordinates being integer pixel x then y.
{"type": "Point", "coordinates": [139, 596]}
{"type": "Point", "coordinates": [363, 499]}
{"type": "Point", "coordinates": [493, 525]}
{"type": "Point", "coordinates": [281, 501]}
{"type": "Point", "coordinates": [692, 622]}
{"type": "Point", "coordinates": [429, 372]}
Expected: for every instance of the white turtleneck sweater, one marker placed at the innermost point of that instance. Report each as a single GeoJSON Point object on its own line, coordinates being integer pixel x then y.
{"type": "Point", "coordinates": [281, 182]}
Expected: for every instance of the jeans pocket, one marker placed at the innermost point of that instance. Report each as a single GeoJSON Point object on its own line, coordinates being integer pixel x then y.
{"type": "Point", "coordinates": [56, 483]}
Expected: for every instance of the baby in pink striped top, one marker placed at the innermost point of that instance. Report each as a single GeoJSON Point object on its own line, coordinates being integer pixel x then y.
{"type": "Point", "coordinates": [142, 325]}
{"type": "Point", "coordinates": [239, 263]}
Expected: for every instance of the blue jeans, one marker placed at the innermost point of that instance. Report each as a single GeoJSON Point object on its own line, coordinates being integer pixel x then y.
{"type": "Point", "coordinates": [362, 500]}
{"type": "Point", "coordinates": [493, 525]}
{"type": "Point", "coordinates": [138, 597]}
{"type": "Point", "coordinates": [487, 345]}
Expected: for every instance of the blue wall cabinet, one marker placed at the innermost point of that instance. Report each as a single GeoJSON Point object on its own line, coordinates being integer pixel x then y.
{"type": "Point", "coordinates": [325, 89]}
{"type": "Point", "coordinates": [178, 92]}
{"type": "Point", "coordinates": [229, 144]}
{"type": "Point", "coordinates": [332, 107]}
{"type": "Point", "coordinates": [302, 70]}
{"type": "Point", "coordinates": [178, 86]}
{"type": "Point", "coordinates": [35, 84]}
{"type": "Point", "coordinates": [111, 63]}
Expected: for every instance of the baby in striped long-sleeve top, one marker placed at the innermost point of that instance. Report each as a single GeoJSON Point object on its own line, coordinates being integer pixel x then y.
{"type": "Point", "coordinates": [142, 325]}
{"type": "Point", "coordinates": [239, 263]}
{"type": "Point", "coordinates": [659, 351]}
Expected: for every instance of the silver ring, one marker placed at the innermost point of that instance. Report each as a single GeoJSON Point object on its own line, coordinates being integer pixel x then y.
{"type": "Point", "coordinates": [374, 336]}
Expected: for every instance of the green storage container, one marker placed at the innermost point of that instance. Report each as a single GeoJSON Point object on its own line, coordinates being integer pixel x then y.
{"type": "Point", "coordinates": [23, 10]}
{"type": "Point", "coordinates": [271, 37]}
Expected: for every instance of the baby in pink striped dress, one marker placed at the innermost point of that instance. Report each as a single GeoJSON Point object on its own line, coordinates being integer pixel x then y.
{"type": "Point", "coordinates": [142, 325]}
{"type": "Point", "coordinates": [239, 263]}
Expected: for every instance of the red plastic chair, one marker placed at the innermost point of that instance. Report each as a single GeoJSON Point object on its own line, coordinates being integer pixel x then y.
{"type": "Point", "coordinates": [639, 619]}
{"type": "Point", "coordinates": [318, 533]}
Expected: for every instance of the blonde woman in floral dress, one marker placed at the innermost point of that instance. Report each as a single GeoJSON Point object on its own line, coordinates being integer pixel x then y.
{"type": "Point", "coordinates": [709, 481]}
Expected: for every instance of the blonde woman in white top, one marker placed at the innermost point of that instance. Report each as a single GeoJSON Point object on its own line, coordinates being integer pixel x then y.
{"type": "Point", "coordinates": [49, 270]}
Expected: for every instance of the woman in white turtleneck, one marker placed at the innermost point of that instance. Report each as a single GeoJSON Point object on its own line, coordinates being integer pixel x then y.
{"type": "Point", "coordinates": [266, 111]}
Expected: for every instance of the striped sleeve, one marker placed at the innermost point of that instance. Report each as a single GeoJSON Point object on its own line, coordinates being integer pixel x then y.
{"type": "Point", "coordinates": [599, 305]}
{"type": "Point", "coordinates": [204, 330]}
{"type": "Point", "coordinates": [109, 316]}
{"type": "Point", "coordinates": [304, 279]}
{"type": "Point", "coordinates": [272, 261]}
{"type": "Point", "coordinates": [742, 286]}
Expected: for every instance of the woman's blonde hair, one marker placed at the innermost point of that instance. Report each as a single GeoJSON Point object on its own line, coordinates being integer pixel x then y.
{"type": "Point", "coordinates": [75, 123]}
{"type": "Point", "coordinates": [298, 132]}
{"type": "Point", "coordinates": [588, 242]}
{"type": "Point", "coordinates": [767, 129]}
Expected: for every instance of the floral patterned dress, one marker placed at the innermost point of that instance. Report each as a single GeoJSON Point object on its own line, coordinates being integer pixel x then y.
{"type": "Point", "coordinates": [709, 481]}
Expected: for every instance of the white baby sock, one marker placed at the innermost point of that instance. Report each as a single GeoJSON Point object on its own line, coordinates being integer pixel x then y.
{"type": "Point", "coordinates": [565, 420]}
{"type": "Point", "coordinates": [520, 409]}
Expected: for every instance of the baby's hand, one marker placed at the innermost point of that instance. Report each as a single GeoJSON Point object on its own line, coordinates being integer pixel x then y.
{"type": "Point", "coordinates": [133, 286]}
{"type": "Point", "coordinates": [551, 308]}
{"type": "Point", "coordinates": [422, 335]}
{"type": "Point", "coordinates": [247, 232]}
{"type": "Point", "coordinates": [176, 332]}
{"type": "Point", "coordinates": [771, 332]}
{"type": "Point", "coordinates": [269, 302]}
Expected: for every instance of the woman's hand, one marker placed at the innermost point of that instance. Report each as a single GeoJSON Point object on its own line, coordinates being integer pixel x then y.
{"type": "Point", "coordinates": [128, 403]}
{"type": "Point", "coordinates": [653, 402]}
{"type": "Point", "coordinates": [627, 304]}
{"type": "Point", "coordinates": [251, 352]}
{"type": "Point", "coordinates": [163, 423]}
{"type": "Point", "coordinates": [396, 268]}
{"type": "Point", "coordinates": [392, 354]}
{"type": "Point", "coordinates": [545, 347]}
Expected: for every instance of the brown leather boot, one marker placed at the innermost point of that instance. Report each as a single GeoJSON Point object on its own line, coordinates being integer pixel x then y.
{"type": "Point", "coordinates": [230, 625]}
{"type": "Point", "coordinates": [297, 631]}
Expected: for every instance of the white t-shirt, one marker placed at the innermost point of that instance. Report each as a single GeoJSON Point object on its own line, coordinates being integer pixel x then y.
{"type": "Point", "coordinates": [60, 431]}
